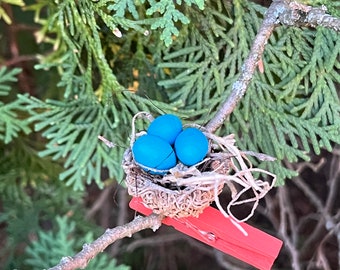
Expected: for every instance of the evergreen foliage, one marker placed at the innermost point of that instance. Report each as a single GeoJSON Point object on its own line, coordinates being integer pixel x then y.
{"type": "Point", "coordinates": [3, 14]}
{"type": "Point", "coordinates": [291, 106]}
{"type": "Point", "coordinates": [10, 122]}
{"type": "Point", "coordinates": [116, 58]}
{"type": "Point", "coordinates": [53, 245]}
{"type": "Point", "coordinates": [332, 6]}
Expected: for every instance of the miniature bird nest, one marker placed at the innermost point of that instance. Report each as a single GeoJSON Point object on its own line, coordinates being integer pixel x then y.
{"type": "Point", "coordinates": [186, 191]}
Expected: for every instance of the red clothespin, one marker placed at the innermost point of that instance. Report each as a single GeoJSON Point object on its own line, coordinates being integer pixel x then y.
{"type": "Point", "coordinates": [257, 248]}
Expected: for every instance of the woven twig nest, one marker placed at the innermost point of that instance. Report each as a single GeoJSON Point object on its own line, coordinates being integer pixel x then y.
{"type": "Point", "coordinates": [164, 196]}
{"type": "Point", "coordinates": [187, 191]}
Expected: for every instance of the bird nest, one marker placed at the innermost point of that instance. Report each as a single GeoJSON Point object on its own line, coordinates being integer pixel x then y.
{"type": "Point", "coordinates": [186, 191]}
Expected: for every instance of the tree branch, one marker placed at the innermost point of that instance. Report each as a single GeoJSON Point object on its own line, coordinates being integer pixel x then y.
{"type": "Point", "coordinates": [287, 223]}
{"type": "Point", "coordinates": [247, 71]}
{"type": "Point", "coordinates": [89, 251]}
{"type": "Point", "coordinates": [280, 11]}
{"type": "Point", "coordinates": [302, 15]}
{"type": "Point", "coordinates": [288, 13]}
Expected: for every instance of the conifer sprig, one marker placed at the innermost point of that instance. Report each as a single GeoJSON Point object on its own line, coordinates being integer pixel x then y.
{"type": "Point", "coordinates": [295, 95]}
{"type": "Point", "coordinates": [11, 123]}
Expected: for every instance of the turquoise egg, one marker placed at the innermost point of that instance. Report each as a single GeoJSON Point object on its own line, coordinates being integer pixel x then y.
{"type": "Point", "coordinates": [191, 146]}
{"type": "Point", "coordinates": [166, 126]}
{"type": "Point", "coordinates": [153, 152]}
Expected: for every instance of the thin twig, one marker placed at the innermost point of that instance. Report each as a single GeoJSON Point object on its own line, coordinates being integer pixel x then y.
{"type": "Point", "coordinates": [227, 262]}
{"type": "Point", "coordinates": [20, 59]}
{"type": "Point", "coordinates": [122, 216]}
{"type": "Point", "coordinates": [286, 225]}
{"type": "Point", "coordinates": [155, 241]}
{"type": "Point", "coordinates": [322, 259]}
{"type": "Point", "coordinates": [302, 15]}
{"type": "Point", "coordinates": [333, 182]}
{"type": "Point", "coordinates": [326, 221]}
{"type": "Point", "coordinates": [99, 202]}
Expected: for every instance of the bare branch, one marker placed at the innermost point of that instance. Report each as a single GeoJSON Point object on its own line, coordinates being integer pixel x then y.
{"type": "Point", "coordinates": [99, 202]}
{"type": "Point", "coordinates": [19, 59]}
{"type": "Point", "coordinates": [287, 222]}
{"type": "Point", "coordinates": [228, 262]}
{"type": "Point", "coordinates": [156, 240]}
{"type": "Point", "coordinates": [303, 15]}
{"type": "Point", "coordinates": [122, 216]}
{"type": "Point", "coordinates": [89, 251]}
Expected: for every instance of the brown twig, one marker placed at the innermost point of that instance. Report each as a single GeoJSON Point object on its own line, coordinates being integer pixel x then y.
{"type": "Point", "coordinates": [122, 216]}
{"type": "Point", "coordinates": [287, 223]}
{"type": "Point", "coordinates": [89, 251]}
{"type": "Point", "coordinates": [305, 235]}
{"type": "Point", "coordinates": [15, 60]}
{"type": "Point", "coordinates": [324, 209]}
{"type": "Point", "coordinates": [25, 82]}
{"type": "Point", "coordinates": [99, 202]}
{"type": "Point", "coordinates": [155, 241]}
{"type": "Point", "coordinates": [322, 261]}
{"type": "Point", "coordinates": [227, 262]}
{"type": "Point", "coordinates": [333, 177]}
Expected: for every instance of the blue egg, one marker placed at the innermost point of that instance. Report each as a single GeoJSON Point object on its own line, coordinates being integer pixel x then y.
{"type": "Point", "coordinates": [191, 146]}
{"type": "Point", "coordinates": [166, 126]}
{"type": "Point", "coordinates": [153, 152]}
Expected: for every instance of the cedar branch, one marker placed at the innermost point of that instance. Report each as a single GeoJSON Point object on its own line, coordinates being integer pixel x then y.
{"type": "Point", "coordinates": [288, 13]}
{"type": "Point", "coordinates": [285, 12]}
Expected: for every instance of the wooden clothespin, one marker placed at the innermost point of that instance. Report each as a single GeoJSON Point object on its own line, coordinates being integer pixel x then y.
{"type": "Point", "coordinates": [257, 248]}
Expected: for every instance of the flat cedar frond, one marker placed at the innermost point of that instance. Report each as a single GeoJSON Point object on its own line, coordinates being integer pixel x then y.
{"type": "Point", "coordinates": [72, 129]}
{"type": "Point", "coordinates": [294, 104]}
{"type": "Point", "coordinates": [52, 245]}
{"type": "Point", "coordinates": [103, 48]}
{"type": "Point", "coordinates": [10, 122]}
{"type": "Point", "coordinates": [121, 6]}
{"type": "Point", "coordinates": [78, 42]}
{"type": "Point", "coordinates": [7, 77]}
{"type": "Point", "coordinates": [197, 73]}
{"type": "Point", "coordinates": [291, 106]}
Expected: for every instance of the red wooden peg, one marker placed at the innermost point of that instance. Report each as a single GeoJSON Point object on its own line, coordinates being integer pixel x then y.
{"type": "Point", "coordinates": [257, 248]}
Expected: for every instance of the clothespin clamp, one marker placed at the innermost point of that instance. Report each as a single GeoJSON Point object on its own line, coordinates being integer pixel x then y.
{"type": "Point", "coordinates": [256, 247]}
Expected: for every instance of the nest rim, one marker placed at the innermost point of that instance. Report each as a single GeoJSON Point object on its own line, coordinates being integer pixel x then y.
{"type": "Point", "coordinates": [169, 198]}
{"type": "Point", "coordinates": [233, 169]}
